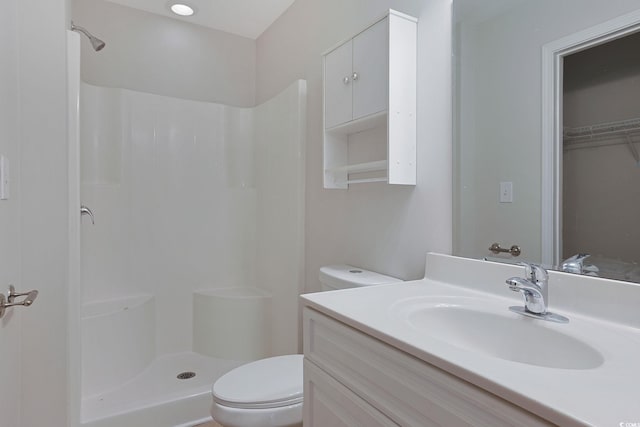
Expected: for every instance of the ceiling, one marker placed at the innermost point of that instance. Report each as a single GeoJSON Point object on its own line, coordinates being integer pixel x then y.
{"type": "Point", "coordinates": [247, 18]}
{"type": "Point", "coordinates": [474, 11]}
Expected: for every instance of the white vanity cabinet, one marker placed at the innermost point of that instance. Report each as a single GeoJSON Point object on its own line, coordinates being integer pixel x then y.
{"type": "Point", "coordinates": [329, 403]}
{"type": "Point", "coordinates": [370, 94]}
{"type": "Point", "coordinates": [353, 379]}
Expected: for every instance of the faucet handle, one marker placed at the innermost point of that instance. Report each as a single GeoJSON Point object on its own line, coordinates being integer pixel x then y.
{"type": "Point", "coordinates": [539, 273]}
{"type": "Point", "coordinates": [535, 272]}
{"type": "Point", "coordinates": [528, 270]}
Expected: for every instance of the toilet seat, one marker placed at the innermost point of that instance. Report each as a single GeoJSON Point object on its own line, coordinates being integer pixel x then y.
{"type": "Point", "coordinates": [274, 382]}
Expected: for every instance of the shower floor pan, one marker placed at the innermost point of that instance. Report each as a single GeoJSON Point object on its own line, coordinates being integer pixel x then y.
{"type": "Point", "coordinates": [156, 397]}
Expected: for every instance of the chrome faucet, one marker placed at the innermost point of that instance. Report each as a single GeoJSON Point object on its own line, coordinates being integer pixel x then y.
{"type": "Point", "coordinates": [535, 290]}
{"type": "Point", "coordinates": [533, 287]}
{"type": "Point", "coordinates": [575, 264]}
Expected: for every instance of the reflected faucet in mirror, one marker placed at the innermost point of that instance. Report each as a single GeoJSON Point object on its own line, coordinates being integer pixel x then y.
{"type": "Point", "coordinates": [575, 264]}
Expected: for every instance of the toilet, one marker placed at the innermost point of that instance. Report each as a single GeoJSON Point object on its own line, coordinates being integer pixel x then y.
{"type": "Point", "coordinates": [269, 392]}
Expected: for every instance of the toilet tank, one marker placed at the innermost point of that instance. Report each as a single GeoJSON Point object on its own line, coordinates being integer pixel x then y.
{"type": "Point", "coordinates": [347, 276]}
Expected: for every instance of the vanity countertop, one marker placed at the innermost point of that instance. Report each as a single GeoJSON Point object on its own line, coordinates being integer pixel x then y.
{"type": "Point", "coordinates": [606, 394]}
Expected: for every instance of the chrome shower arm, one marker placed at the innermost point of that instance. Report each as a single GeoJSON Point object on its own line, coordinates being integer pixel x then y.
{"type": "Point", "coordinates": [95, 42]}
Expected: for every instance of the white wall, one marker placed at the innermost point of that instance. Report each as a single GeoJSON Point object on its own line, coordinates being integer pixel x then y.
{"type": "Point", "coordinates": [376, 226]}
{"type": "Point", "coordinates": [279, 132]}
{"type": "Point", "coordinates": [9, 217]}
{"type": "Point", "coordinates": [502, 128]}
{"type": "Point", "coordinates": [156, 54]}
{"type": "Point", "coordinates": [42, 42]}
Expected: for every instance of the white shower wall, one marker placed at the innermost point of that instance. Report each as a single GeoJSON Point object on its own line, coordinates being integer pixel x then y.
{"type": "Point", "coordinates": [189, 195]}
{"type": "Point", "coordinates": [280, 190]}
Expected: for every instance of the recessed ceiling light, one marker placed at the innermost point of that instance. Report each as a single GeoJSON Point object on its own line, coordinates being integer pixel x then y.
{"type": "Point", "coordinates": [182, 9]}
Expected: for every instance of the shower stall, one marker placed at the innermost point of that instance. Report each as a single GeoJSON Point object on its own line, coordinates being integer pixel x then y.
{"type": "Point", "coordinates": [195, 260]}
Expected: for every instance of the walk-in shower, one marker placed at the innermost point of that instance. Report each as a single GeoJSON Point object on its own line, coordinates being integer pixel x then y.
{"type": "Point", "coordinates": [194, 262]}
{"type": "Point", "coordinates": [165, 291]}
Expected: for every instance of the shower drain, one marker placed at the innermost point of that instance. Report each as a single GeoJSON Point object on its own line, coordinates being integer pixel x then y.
{"type": "Point", "coordinates": [185, 375]}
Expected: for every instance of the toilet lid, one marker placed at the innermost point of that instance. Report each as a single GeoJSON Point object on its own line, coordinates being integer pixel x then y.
{"type": "Point", "coordinates": [266, 383]}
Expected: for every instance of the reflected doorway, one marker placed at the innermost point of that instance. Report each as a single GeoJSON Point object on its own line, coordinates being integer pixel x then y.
{"type": "Point", "coordinates": [591, 138]}
{"type": "Point", "coordinates": [600, 162]}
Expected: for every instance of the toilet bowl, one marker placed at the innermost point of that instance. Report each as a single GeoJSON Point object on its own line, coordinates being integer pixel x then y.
{"type": "Point", "coordinates": [269, 392]}
{"type": "Point", "coordinates": [265, 393]}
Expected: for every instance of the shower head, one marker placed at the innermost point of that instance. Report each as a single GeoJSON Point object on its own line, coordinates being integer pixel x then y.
{"type": "Point", "coordinates": [95, 42]}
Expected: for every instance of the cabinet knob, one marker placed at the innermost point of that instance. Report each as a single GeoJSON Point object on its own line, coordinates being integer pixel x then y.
{"type": "Point", "coordinates": [355, 76]}
{"type": "Point", "coordinates": [346, 80]}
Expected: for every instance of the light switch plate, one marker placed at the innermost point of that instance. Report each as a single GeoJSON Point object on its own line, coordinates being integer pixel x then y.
{"type": "Point", "coordinates": [4, 178]}
{"type": "Point", "coordinates": [506, 192]}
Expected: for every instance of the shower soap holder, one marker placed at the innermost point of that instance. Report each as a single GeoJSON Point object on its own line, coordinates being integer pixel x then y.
{"type": "Point", "coordinates": [9, 300]}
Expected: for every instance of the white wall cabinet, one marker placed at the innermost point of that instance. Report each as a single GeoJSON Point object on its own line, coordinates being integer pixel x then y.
{"type": "Point", "coordinates": [370, 94]}
{"type": "Point", "coordinates": [338, 89]}
{"type": "Point", "coordinates": [353, 379]}
{"type": "Point", "coordinates": [356, 75]}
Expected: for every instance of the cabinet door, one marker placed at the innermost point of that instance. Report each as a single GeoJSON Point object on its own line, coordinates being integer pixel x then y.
{"type": "Point", "coordinates": [327, 403]}
{"type": "Point", "coordinates": [371, 65]}
{"type": "Point", "coordinates": [338, 86]}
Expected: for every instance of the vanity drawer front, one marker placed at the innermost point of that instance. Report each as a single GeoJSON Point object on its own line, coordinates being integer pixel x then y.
{"type": "Point", "coordinates": [407, 390]}
{"type": "Point", "coordinates": [329, 403]}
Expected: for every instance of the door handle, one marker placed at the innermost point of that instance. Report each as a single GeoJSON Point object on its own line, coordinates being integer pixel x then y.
{"type": "Point", "coordinates": [9, 301]}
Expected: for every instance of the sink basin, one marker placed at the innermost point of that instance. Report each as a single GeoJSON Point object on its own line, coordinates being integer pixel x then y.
{"type": "Point", "coordinates": [466, 323]}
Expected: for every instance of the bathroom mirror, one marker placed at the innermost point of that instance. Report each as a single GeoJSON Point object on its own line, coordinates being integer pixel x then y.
{"type": "Point", "coordinates": [525, 70]}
